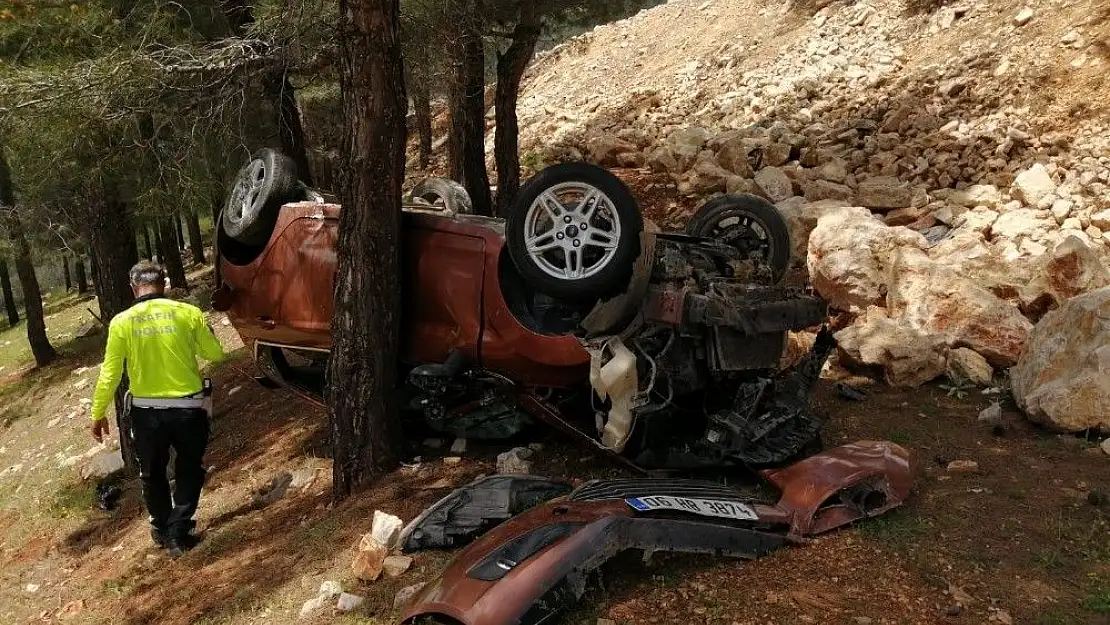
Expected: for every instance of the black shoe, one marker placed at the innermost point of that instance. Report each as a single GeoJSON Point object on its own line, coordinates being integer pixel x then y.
{"type": "Point", "coordinates": [159, 537]}
{"type": "Point", "coordinates": [176, 547]}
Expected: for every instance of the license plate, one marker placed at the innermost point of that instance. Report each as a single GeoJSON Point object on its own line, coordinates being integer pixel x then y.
{"type": "Point", "coordinates": [704, 507]}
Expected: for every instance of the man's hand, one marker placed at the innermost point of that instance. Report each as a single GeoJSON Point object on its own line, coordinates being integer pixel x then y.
{"type": "Point", "coordinates": [100, 429]}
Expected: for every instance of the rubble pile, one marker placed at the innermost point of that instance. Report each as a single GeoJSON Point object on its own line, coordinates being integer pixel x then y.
{"type": "Point", "coordinates": [929, 194]}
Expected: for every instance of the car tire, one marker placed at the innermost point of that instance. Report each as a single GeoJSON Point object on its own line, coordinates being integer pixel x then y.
{"type": "Point", "coordinates": [261, 187]}
{"type": "Point", "coordinates": [449, 194]}
{"type": "Point", "coordinates": [748, 223]}
{"type": "Point", "coordinates": [582, 246]}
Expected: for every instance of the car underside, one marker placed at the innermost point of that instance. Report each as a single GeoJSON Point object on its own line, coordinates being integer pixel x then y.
{"type": "Point", "coordinates": [661, 348]}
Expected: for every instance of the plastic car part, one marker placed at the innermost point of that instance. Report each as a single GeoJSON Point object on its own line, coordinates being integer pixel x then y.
{"type": "Point", "coordinates": [749, 223]}
{"type": "Point", "coordinates": [261, 187]}
{"type": "Point", "coordinates": [468, 511]}
{"type": "Point", "coordinates": [613, 376]}
{"type": "Point", "coordinates": [603, 518]}
{"type": "Point", "coordinates": [574, 232]}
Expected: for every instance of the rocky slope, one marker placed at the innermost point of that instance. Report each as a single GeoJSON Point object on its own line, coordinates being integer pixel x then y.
{"type": "Point", "coordinates": [952, 164]}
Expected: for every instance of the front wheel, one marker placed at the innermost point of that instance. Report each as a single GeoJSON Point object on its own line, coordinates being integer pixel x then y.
{"type": "Point", "coordinates": [574, 232]}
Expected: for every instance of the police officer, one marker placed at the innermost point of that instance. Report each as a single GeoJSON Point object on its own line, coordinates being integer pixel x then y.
{"type": "Point", "coordinates": [158, 340]}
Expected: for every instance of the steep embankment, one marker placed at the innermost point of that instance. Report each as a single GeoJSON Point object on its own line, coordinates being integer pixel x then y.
{"type": "Point", "coordinates": [973, 136]}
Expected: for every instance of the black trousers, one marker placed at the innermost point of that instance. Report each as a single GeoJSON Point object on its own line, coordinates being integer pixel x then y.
{"type": "Point", "coordinates": [154, 432]}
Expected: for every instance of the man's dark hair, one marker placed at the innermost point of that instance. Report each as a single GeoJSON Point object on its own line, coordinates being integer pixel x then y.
{"type": "Point", "coordinates": [147, 273]}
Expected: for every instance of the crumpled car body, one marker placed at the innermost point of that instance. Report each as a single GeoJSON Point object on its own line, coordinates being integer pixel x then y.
{"type": "Point", "coordinates": [535, 564]}
{"type": "Point", "coordinates": [679, 371]}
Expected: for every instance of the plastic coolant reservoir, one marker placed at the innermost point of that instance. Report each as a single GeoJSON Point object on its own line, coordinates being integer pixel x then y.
{"type": "Point", "coordinates": [615, 378]}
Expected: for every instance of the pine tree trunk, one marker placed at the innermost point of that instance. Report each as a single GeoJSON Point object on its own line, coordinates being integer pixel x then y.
{"type": "Point", "coordinates": [65, 272]}
{"type": "Point", "coordinates": [113, 251]}
{"type": "Point", "coordinates": [179, 236]}
{"type": "Point", "coordinates": [363, 367]}
{"type": "Point", "coordinates": [82, 279]}
{"type": "Point", "coordinates": [159, 243]}
{"type": "Point", "coordinates": [9, 297]}
{"type": "Point", "coordinates": [510, 71]}
{"type": "Point", "coordinates": [468, 116]}
{"type": "Point", "coordinates": [41, 348]}
{"type": "Point", "coordinates": [196, 241]}
{"type": "Point", "coordinates": [148, 246]}
{"type": "Point", "coordinates": [422, 102]}
{"type": "Point", "coordinates": [280, 91]}
{"type": "Point", "coordinates": [175, 270]}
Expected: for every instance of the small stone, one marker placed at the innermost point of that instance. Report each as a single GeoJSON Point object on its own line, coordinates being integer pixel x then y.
{"type": "Point", "coordinates": [371, 556]}
{"type": "Point", "coordinates": [348, 602]}
{"type": "Point", "coordinates": [452, 461]}
{"type": "Point", "coordinates": [1106, 446]}
{"type": "Point", "coordinates": [963, 466]}
{"type": "Point", "coordinates": [395, 566]}
{"type": "Point", "coordinates": [1033, 185]}
{"type": "Point", "coordinates": [774, 184]}
{"type": "Point", "coordinates": [315, 607]}
{"type": "Point", "coordinates": [1061, 210]}
{"type": "Point", "coordinates": [406, 594]}
{"type": "Point", "coordinates": [966, 364]}
{"type": "Point", "coordinates": [1023, 16]}
{"type": "Point", "coordinates": [31, 588]}
{"type": "Point", "coordinates": [991, 415]}
{"type": "Point", "coordinates": [81, 385]}
{"type": "Point", "coordinates": [459, 446]}
{"type": "Point", "coordinates": [303, 478]}
{"type": "Point", "coordinates": [274, 490]}
{"type": "Point", "coordinates": [515, 461]}
{"type": "Point", "coordinates": [883, 192]}
{"type": "Point", "coordinates": [330, 589]}
{"type": "Point", "coordinates": [386, 528]}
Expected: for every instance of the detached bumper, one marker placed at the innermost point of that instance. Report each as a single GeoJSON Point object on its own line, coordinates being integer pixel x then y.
{"type": "Point", "coordinates": [499, 579]}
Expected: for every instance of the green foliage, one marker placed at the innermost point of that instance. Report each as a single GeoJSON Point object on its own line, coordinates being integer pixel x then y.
{"type": "Point", "coordinates": [957, 387]}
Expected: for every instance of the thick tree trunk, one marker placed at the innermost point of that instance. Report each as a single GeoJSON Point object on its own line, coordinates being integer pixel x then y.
{"type": "Point", "coordinates": [468, 116]}
{"type": "Point", "coordinates": [65, 273]}
{"type": "Point", "coordinates": [41, 348]}
{"type": "Point", "coordinates": [175, 270]}
{"type": "Point", "coordinates": [82, 279]}
{"type": "Point", "coordinates": [363, 367]}
{"type": "Point", "coordinates": [510, 71]}
{"type": "Point", "coordinates": [9, 297]}
{"type": "Point", "coordinates": [422, 102]}
{"type": "Point", "coordinates": [281, 93]}
{"type": "Point", "coordinates": [113, 251]}
{"type": "Point", "coordinates": [196, 241]}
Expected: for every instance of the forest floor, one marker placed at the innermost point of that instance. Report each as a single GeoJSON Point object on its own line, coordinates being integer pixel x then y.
{"type": "Point", "coordinates": [1026, 539]}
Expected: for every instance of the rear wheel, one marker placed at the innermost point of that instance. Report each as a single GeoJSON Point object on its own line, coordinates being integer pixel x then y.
{"type": "Point", "coordinates": [261, 187]}
{"type": "Point", "coordinates": [574, 232]}
{"type": "Point", "coordinates": [441, 192]}
{"type": "Point", "coordinates": [750, 224]}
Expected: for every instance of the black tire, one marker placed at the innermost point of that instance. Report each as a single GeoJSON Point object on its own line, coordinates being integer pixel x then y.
{"type": "Point", "coordinates": [748, 223]}
{"type": "Point", "coordinates": [261, 187]}
{"type": "Point", "coordinates": [449, 194]}
{"type": "Point", "coordinates": [617, 218]}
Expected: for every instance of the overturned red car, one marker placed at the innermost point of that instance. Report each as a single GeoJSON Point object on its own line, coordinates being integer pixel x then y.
{"type": "Point", "coordinates": [661, 348]}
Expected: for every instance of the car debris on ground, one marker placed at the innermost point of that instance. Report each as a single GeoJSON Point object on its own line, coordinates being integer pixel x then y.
{"type": "Point", "coordinates": [535, 564]}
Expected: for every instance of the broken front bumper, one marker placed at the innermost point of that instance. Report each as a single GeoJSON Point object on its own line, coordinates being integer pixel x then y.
{"type": "Point", "coordinates": [534, 564]}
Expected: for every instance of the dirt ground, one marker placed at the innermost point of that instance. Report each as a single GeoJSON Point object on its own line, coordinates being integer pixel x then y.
{"type": "Point", "coordinates": [1023, 540]}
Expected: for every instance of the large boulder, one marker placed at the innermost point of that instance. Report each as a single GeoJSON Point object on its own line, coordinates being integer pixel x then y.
{"type": "Point", "coordinates": [1071, 268]}
{"type": "Point", "coordinates": [1061, 379]}
{"type": "Point", "coordinates": [906, 356]}
{"type": "Point", "coordinates": [801, 217]}
{"type": "Point", "coordinates": [849, 256]}
{"type": "Point", "coordinates": [884, 193]}
{"type": "Point", "coordinates": [935, 299]}
{"type": "Point", "coordinates": [817, 190]}
{"type": "Point", "coordinates": [733, 156]}
{"type": "Point", "coordinates": [968, 254]}
{"type": "Point", "coordinates": [1034, 185]}
{"type": "Point", "coordinates": [986, 195]}
{"type": "Point", "coordinates": [1024, 222]}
